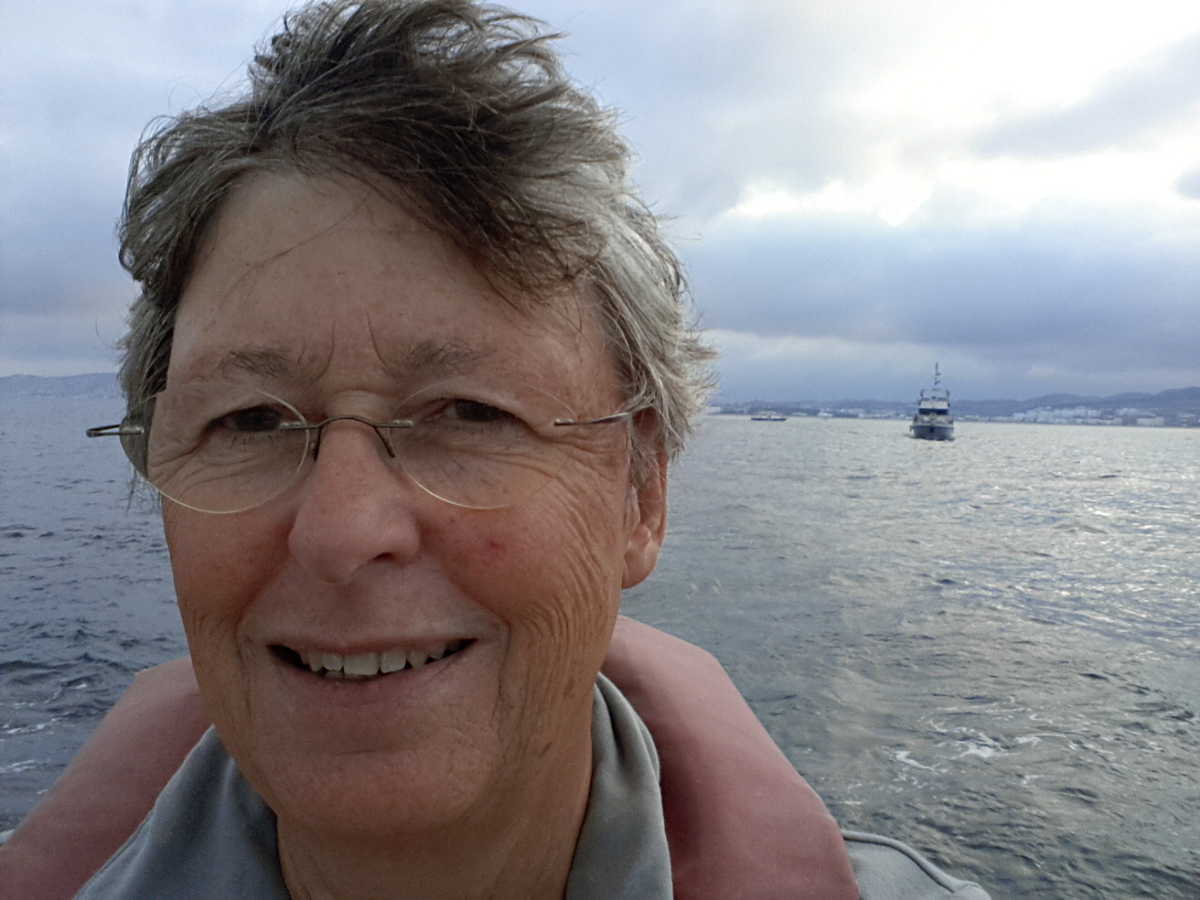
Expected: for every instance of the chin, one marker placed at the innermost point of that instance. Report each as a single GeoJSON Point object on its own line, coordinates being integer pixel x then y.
{"type": "Point", "coordinates": [375, 795]}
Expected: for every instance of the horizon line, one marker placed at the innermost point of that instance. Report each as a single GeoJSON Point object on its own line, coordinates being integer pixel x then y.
{"type": "Point", "coordinates": [717, 401]}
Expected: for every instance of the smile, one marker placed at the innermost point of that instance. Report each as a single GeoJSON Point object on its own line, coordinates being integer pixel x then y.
{"type": "Point", "coordinates": [362, 666]}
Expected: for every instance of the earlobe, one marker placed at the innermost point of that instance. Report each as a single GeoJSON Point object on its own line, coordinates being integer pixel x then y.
{"type": "Point", "coordinates": [648, 523]}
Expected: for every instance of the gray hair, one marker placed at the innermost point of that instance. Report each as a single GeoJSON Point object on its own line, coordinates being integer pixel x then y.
{"type": "Point", "coordinates": [467, 111]}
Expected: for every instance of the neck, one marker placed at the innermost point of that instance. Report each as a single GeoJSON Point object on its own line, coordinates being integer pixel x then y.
{"type": "Point", "coordinates": [518, 843]}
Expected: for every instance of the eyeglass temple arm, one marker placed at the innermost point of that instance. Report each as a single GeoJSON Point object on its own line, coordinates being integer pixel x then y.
{"type": "Point", "coordinates": [114, 430]}
{"type": "Point", "coordinates": [603, 420]}
{"type": "Point", "coordinates": [120, 430]}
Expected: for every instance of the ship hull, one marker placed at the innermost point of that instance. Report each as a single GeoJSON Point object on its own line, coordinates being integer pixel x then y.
{"type": "Point", "coordinates": [932, 431]}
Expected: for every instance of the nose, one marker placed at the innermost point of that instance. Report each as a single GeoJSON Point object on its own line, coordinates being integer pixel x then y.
{"type": "Point", "coordinates": [355, 507]}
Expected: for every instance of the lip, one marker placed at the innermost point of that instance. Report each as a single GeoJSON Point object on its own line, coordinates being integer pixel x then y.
{"type": "Point", "coordinates": [349, 646]}
{"type": "Point", "coordinates": [368, 664]}
{"type": "Point", "coordinates": [313, 696]}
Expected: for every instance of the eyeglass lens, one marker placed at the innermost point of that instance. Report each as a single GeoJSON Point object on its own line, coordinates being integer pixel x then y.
{"type": "Point", "coordinates": [224, 447]}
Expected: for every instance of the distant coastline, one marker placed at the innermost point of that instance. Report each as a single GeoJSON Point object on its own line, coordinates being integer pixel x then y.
{"type": "Point", "coordinates": [1177, 407]}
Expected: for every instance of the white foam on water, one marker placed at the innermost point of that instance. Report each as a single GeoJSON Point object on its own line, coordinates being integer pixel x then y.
{"type": "Point", "coordinates": [23, 765]}
{"type": "Point", "coordinates": [30, 729]}
{"type": "Point", "coordinates": [905, 757]}
{"type": "Point", "coordinates": [983, 751]}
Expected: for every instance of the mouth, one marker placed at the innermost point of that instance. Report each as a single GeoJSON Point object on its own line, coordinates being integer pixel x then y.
{"type": "Point", "coordinates": [367, 666]}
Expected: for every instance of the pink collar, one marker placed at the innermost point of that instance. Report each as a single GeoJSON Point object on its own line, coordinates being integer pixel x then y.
{"type": "Point", "coordinates": [741, 822]}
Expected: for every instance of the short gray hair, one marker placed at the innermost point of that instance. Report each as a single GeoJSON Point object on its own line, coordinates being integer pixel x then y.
{"type": "Point", "coordinates": [464, 108]}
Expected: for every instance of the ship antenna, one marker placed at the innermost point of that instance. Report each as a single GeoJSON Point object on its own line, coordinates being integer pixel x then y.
{"type": "Point", "coordinates": [937, 375]}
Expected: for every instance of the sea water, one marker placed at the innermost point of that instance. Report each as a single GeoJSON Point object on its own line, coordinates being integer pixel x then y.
{"type": "Point", "coordinates": [988, 648]}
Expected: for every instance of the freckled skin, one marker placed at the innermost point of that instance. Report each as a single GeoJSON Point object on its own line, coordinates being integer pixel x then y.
{"type": "Point", "coordinates": [457, 784]}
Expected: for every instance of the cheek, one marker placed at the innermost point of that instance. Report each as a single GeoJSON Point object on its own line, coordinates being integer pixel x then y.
{"type": "Point", "coordinates": [554, 567]}
{"type": "Point", "coordinates": [219, 564]}
{"type": "Point", "coordinates": [552, 576]}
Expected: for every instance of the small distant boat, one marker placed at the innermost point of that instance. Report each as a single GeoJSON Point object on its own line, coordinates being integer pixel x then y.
{"type": "Point", "coordinates": [767, 415]}
{"type": "Point", "coordinates": [932, 420]}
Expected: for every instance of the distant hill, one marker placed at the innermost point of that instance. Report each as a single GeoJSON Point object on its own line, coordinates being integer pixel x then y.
{"type": "Point", "coordinates": [1176, 400]}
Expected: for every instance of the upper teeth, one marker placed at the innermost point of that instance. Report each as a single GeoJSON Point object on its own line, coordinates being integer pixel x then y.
{"type": "Point", "coordinates": [365, 665]}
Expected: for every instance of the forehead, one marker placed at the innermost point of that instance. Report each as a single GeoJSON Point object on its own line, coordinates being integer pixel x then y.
{"type": "Point", "coordinates": [324, 279]}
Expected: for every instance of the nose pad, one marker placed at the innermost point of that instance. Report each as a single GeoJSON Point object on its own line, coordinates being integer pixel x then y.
{"type": "Point", "coordinates": [379, 433]}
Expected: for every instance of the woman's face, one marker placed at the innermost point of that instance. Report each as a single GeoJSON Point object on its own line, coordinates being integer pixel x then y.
{"type": "Point", "coordinates": [328, 296]}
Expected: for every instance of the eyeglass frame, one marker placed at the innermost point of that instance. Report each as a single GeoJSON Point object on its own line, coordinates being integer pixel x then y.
{"type": "Point", "coordinates": [121, 429]}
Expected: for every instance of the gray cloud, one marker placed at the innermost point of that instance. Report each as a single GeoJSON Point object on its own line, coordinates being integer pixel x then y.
{"type": "Point", "coordinates": [1107, 296]}
{"type": "Point", "coordinates": [84, 80]}
{"type": "Point", "coordinates": [1189, 184]}
{"type": "Point", "coordinates": [1120, 111]}
{"type": "Point", "coordinates": [714, 98]}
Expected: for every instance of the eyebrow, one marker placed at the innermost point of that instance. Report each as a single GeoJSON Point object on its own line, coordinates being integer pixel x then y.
{"type": "Point", "coordinates": [265, 362]}
{"type": "Point", "coordinates": [439, 358]}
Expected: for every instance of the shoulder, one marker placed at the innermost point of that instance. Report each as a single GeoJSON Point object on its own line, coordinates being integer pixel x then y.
{"type": "Point", "coordinates": [888, 869]}
{"type": "Point", "coordinates": [207, 811]}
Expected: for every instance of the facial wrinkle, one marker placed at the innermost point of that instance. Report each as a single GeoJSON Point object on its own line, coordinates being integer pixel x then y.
{"type": "Point", "coordinates": [442, 357]}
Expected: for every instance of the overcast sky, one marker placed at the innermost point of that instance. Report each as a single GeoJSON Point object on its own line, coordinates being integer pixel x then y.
{"type": "Point", "coordinates": [859, 189]}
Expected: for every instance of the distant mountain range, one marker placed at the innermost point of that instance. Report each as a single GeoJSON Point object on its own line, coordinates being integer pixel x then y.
{"type": "Point", "coordinates": [1178, 400]}
{"type": "Point", "coordinates": [1175, 401]}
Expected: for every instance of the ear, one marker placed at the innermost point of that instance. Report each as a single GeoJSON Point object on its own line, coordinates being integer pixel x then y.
{"type": "Point", "coordinates": [646, 525]}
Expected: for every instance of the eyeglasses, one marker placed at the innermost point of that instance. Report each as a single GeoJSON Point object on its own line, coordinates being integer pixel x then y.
{"type": "Point", "coordinates": [224, 447]}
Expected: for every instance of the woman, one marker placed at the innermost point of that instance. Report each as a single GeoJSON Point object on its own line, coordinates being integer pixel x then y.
{"type": "Point", "coordinates": [740, 821]}
{"type": "Point", "coordinates": [397, 630]}
{"type": "Point", "coordinates": [408, 366]}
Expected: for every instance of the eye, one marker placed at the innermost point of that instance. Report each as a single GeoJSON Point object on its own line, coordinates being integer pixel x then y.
{"type": "Point", "coordinates": [476, 412]}
{"type": "Point", "coordinates": [253, 419]}
{"type": "Point", "coordinates": [478, 407]}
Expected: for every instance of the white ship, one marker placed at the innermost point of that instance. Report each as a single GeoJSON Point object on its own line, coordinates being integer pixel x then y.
{"type": "Point", "coordinates": [932, 420]}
